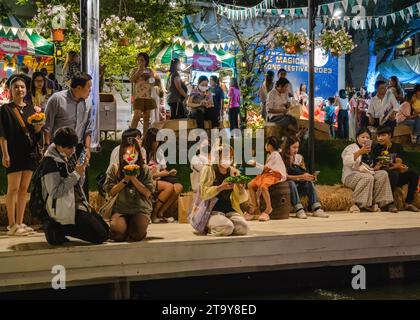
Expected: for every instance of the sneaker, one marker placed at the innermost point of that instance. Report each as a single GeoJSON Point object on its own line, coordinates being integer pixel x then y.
{"type": "Point", "coordinates": [17, 231]}
{"type": "Point", "coordinates": [301, 214]}
{"type": "Point", "coordinates": [319, 213]}
{"type": "Point", "coordinates": [170, 220]}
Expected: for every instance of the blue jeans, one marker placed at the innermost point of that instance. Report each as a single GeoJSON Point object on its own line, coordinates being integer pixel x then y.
{"type": "Point", "coordinates": [343, 124]}
{"type": "Point", "coordinates": [304, 188]}
{"type": "Point", "coordinates": [414, 124]}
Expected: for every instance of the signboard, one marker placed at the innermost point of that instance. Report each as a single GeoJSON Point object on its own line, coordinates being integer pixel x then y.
{"type": "Point", "coordinates": [205, 62]}
{"type": "Point", "coordinates": [15, 46]}
{"type": "Point", "coordinates": [296, 65]}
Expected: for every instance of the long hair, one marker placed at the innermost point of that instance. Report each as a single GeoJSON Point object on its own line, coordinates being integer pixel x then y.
{"type": "Point", "coordinates": [44, 86]}
{"type": "Point", "coordinates": [125, 143]}
{"type": "Point", "coordinates": [149, 141]}
{"type": "Point", "coordinates": [269, 80]}
{"type": "Point", "coordinates": [301, 88]}
{"type": "Point", "coordinates": [235, 83]}
{"type": "Point", "coordinates": [173, 68]}
{"type": "Point", "coordinates": [285, 149]}
{"type": "Point", "coordinates": [71, 56]}
{"type": "Point", "coordinates": [397, 84]}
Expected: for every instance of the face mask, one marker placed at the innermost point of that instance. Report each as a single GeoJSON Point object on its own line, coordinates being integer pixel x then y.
{"type": "Point", "coordinates": [202, 88]}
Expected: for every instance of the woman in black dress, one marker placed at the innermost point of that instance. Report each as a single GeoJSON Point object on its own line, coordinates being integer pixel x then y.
{"type": "Point", "coordinates": [19, 146]}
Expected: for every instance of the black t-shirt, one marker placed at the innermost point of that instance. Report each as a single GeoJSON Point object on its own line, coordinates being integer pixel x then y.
{"type": "Point", "coordinates": [218, 95]}
{"type": "Point", "coordinates": [395, 149]}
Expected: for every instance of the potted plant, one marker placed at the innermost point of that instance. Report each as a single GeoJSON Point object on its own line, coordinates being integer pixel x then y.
{"type": "Point", "coordinates": [336, 42]}
{"type": "Point", "coordinates": [292, 43]}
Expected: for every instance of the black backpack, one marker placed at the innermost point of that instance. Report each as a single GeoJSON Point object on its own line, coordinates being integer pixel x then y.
{"type": "Point", "coordinates": [37, 204]}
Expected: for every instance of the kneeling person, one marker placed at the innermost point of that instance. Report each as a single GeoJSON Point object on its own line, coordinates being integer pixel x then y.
{"type": "Point", "coordinates": [69, 213]}
{"type": "Point", "coordinates": [133, 206]}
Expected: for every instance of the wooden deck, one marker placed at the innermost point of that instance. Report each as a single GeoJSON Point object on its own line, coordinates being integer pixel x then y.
{"type": "Point", "coordinates": [172, 250]}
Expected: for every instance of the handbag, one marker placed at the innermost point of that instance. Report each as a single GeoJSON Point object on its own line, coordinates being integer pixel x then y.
{"type": "Point", "coordinates": [184, 204]}
{"type": "Point", "coordinates": [364, 168]}
{"type": "Point", "coordinates": [200, 212]}
{"type": "Point", "coordinates": [106, 210]}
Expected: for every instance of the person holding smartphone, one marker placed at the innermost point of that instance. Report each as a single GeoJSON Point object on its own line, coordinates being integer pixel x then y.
{"type": "Point", "coordinates": [69, 213]}
{"type": "Point", "coordinates": [371, 189]}
{"type": "Point", "coordinates": [301, 182]}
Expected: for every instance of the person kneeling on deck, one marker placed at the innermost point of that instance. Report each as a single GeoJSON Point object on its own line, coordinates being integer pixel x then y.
{"type": "Point", "coordinates": [226, 215]}
{"type": "Point", "coordinates": [301, 182]}
{"type": "Point", "coordinates": [131, 182]}
{"type": "Point", "coordinates": [69, 213]}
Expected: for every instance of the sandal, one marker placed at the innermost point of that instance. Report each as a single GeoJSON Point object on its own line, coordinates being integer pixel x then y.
{"type": "Point", "coordinates": [354, 209]}
{"type": "Point", "coordinates": [411, 207]}
{"type": "Point", "coordinates": [248, 216]}
{"type": "Point", "coordinates": [17, 230]}
{"type": "Point", "coordinates": [264, 217]}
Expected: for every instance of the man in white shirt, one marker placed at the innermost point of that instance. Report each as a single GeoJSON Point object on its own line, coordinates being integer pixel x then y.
{"type": "Point", "coordinates": [134, 134]}
{"type": "Point", "coordinates": [383, 107]}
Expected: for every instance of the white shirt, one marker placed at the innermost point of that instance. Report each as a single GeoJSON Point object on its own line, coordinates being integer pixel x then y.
{"type": "Point", "coordinates": [115, 156]}
{"type": "Point", "coordinates": [276, 101]}
{"type": "Point", "coordinates": [377, 107]}
{"type": "Point", "coordinates": [197, 163]}
{"type": "Point", "coordinates": [275, 162]}
{"type": "Point", "coordinates": [349, 164]}
{"type": "Point", "coordinates": [344, 104]}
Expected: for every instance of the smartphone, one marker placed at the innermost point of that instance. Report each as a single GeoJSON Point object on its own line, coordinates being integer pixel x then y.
{"type": "Point", "coordinates": [82, 157]}
{"type": "Point", "coordinates": [368, 143]}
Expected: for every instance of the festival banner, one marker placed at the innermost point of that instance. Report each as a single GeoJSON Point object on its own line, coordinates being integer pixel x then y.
{"type": "Point", "coordinates": [15, 46]}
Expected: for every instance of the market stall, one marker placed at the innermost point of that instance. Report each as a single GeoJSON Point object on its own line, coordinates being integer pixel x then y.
{"type": "Point", "coordinates": [23, 46]}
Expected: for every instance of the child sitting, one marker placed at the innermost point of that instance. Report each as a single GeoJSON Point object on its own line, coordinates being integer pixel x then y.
{"type": "Point", "coordinates": [273, 172]}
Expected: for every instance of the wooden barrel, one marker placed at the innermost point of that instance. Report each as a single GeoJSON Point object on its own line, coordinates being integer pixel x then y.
{"type": "Point", "coordinates": [280, 201]}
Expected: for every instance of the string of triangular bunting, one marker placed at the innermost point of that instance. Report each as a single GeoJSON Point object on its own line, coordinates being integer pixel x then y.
{"type": "Point", "coordinates": [21, 31]}
{"type": "Point", "coordinates": [266, 8]}
{"type": "Point", "coordinates": [369, 22]}
{"type": "Point", "coordinates": [201, 45]}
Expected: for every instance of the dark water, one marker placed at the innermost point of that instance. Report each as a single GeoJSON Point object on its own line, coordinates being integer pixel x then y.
{"type": "Point", "coordinates": [331, 283]}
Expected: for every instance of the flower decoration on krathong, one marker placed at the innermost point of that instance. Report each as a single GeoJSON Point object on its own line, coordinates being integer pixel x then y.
{"type": "Point", "coordinates": [116, 30]}
{"type": "Point", "coordinates": [131, 170]}
{"type": "Point", "coordinates": [36, 118]}
{"type": "Point", "coordinates": [292, 42]}
{"type": "Point", "coordinates": [337, 42]}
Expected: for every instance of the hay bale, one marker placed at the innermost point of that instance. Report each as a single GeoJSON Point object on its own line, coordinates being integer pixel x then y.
{"type": "Point", "coordinates": [27, 218]}
{"type": "Point", "coordinates": [400, 195]}
{"type": "Point", "coordinates": [333, 198]}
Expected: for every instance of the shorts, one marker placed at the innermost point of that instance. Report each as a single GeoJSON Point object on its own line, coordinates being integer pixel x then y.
{"type": "Point", "coordinates": [143, 104]}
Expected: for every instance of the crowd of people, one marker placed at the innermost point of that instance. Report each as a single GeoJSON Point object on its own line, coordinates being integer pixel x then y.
{"type": "Point", "coordinates": [55, 155]}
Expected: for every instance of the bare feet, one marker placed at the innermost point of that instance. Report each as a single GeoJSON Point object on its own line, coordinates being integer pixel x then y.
{"type": "Point", "coordinates": [248, 217]}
